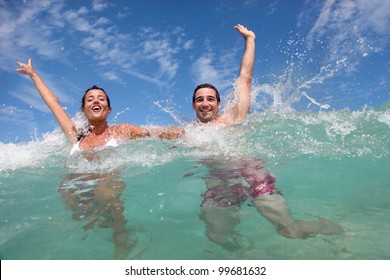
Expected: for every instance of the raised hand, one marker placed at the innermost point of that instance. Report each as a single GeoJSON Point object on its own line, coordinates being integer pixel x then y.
{"type": "Point", "coordinates": [245, 32]}
{"type": "Point", "coordinates": [26, 69]}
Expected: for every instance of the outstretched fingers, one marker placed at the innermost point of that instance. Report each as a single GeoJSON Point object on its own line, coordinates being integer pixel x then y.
{"type": "Point", "coordinates": [21, 69]}
{"type": "Point", "coordinates": [245, 32]}
{"type": "Point", "coordinates": [25, 68]}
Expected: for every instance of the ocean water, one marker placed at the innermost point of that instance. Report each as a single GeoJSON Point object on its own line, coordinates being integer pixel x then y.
{"type": "Point", "coordinates": [141, 200]}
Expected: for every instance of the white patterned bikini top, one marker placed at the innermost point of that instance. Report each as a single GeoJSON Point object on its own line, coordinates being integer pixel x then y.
{"type": "Point", "coordinates": [110, 143]}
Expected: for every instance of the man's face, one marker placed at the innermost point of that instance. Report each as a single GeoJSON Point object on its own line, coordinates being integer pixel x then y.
{"type": "Point", "coordinates": [206, 104]}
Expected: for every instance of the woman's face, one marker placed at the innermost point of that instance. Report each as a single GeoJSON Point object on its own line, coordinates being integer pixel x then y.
{"type": "Point", "coordinates": [96, 105]}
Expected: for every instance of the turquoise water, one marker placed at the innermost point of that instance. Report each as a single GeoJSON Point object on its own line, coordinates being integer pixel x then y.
{"type": "Point", "coordinates": [331, 164]}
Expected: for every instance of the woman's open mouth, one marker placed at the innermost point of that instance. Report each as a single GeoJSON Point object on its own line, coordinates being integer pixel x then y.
{"type": "Point", "coordinates": [96, 108]}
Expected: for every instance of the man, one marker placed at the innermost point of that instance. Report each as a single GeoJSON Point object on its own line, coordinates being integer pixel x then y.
{"type": "Point", "coordinates": [206, 100]}
{"type": "Point", "coordinates": [225, 193]}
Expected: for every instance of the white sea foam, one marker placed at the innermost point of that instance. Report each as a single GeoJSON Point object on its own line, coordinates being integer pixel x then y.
{"type": "Point", "coordinates": [34, 153]}
{"type": "Point", "coordinates": [266, 135]}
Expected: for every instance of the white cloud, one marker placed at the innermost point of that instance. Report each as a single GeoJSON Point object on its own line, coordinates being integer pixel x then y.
{"type": "Point", "coordinates": [320, 25]}
{"type": "Point", "coordinates": [204, 71]}
{"type": "Point", "coordinates": [108, 47]}
{"type": "Point", "coordinates": [162, 51]}
{"type": "Point", "coordinates": [29, 28]}
{"type": "Point", "coordinates": [220, 71]}
{"type": "Point", "coordinates": [99, 5]}
{"type": "Point", "coordinates": [250, 2]}
{"type": "Point", "coordinates": [13, 116]}
{"type": "Point", "coordinates": [188, 44]}
{"type": "Point", "coordinates": [272, 7]}
{"type": "Point", "coordinates": [42, 27]}
{"type": "Point", "coordinates": [351, 25]}
{"type": "Point", "coordinates": [146, 78]}
{"type": "Point", "coordinates": [111, 76]}
{"type": "Point", "coordinates": [348, 31]}
{"type": "Point", "coordinates": [29, 95]}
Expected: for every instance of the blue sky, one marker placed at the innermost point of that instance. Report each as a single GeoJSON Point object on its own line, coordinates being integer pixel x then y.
{"type": "Point", "coordinates": [149, 55]}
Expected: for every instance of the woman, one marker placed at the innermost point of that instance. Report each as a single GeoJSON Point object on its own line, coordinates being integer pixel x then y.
{"type": "Point", "coordinates": [95, 196]}
{"type": "Point", "coordinates": [96, 107]}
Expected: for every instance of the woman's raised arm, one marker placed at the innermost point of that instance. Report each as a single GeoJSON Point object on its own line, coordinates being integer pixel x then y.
{"type": "Point", "coordinates": [51, 100]}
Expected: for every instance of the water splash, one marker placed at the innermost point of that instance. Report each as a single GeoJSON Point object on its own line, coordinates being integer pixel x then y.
{"type": "Point", "coordinates": [81, 123]}
{"type": "Point", "coordinates": [37, 153]}
{"type": "Point", "coordinates": [299, 81]}
{"type": "Point", "coordinates": [267, 135]}
{"type": "Point", "coordinates": [117, 115]}
{"type": "Point", "coordinates": [330, 134]}
{"type": "Point", "coordinates": [171, 111]}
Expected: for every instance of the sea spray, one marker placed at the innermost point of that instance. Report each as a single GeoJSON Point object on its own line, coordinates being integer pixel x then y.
{"type": "Point", "coordinates": [331, 134]}
{"type": "Point", "coordinates": [35, 153]}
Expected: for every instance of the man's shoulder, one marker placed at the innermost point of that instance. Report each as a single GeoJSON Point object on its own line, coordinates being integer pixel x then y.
{"type": "Point", "coordinates": [223, 120]}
